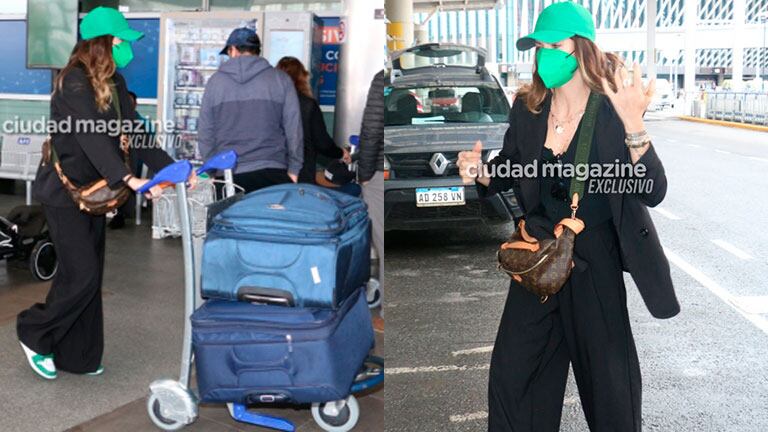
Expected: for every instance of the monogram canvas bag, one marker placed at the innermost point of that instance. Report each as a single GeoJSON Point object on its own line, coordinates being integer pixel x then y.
{"type": "Point", "coordinates": [543, 266]}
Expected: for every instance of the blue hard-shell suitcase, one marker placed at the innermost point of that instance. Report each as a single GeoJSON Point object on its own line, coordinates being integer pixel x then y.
{"type": "Point", "coordinates": [297, 244]}
{"type": "Point", "coordinates": [248, 353]}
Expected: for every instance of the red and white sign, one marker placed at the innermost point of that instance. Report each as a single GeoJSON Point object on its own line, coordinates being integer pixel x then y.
{"type": "Point", "coordinates": [331, 35]}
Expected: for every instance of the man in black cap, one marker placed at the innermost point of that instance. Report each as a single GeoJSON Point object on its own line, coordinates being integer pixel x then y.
{"type": "Point", "coordinates": [252, 108]}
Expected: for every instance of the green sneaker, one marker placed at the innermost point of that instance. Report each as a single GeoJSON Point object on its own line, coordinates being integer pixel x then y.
{"type": "Point", "coordinates": [42, 364]}
{"type": "Point", "coordinates": [97, 372]}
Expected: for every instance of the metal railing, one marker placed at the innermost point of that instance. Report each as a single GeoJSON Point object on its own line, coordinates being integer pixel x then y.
{"type": "Point", "coordinates": [19, 159]}
{"type": "Point", "coordinates": [742, 107]}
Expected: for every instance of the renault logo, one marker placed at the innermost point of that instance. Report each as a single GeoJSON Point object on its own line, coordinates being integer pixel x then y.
{"type": "Point", "coordinates": [439, 163]}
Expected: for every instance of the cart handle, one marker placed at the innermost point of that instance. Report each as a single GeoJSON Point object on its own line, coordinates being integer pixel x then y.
{"type": "Point", "coordinates": [177, 172]}
{"type": "Point", "coordinates": [222, 161]}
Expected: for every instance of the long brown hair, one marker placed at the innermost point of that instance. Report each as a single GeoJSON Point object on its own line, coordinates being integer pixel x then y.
{"type": "Point", "coordinates": [96, 56]}
{"type": "Point", "coordinates": [298, 73]}
{"type": "Point", "coordinates": [593, 65]}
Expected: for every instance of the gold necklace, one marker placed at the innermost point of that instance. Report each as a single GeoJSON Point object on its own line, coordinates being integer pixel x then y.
{"type": "Point", "coordinates": [560, 125]}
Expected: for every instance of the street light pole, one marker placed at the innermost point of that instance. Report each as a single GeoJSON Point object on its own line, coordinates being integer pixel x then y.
{"type": "Point", "coordinates": [650, 55]}
{"type": "Point", "coordinates": [763, 55]}
{"type": "Point", "coordinates": [764, 20]}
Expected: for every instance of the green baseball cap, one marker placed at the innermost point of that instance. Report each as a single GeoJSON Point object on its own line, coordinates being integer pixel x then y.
{"type": "Point", "coordinates": [560, 21]}
{"type": "Point", "coordinates": [104, 21]}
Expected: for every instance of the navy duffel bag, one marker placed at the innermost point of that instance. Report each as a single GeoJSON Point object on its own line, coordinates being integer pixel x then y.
{"type": "Point", "coordinates": [296, 244]}
{"type": "Point", "coordinates": [246, 353]}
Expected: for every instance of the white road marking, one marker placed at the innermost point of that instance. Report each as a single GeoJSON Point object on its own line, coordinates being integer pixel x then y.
{"type": "Point", "coordinates": [480, 350]}
{"type": "Point", "coordinates": [753, 304]}
{"type": "Point", "coordinates": [732, 249]}
{"type": "Point", "coordinates": [480, 415]}
{"type": "Point", "coordinates": [722, 151]}
{"type": "Point", "coordinates": [758, 158]}
{"type": "Point", "coordinates": [671, 140]}
{"type": "Point", "coordinates": [758, 321]}
{"type": "Point", "coordinates": [433, 369]}
{"type": "Point", "coordinates": [666, 213]}
{"type": "Point", "coordinates": [694, 145]}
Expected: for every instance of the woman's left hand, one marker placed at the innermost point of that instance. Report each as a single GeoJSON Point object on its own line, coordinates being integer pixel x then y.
{"type": "Point", "coordinates": [631, 99]}
{"type": "Point", "coordinates": [347, 157]}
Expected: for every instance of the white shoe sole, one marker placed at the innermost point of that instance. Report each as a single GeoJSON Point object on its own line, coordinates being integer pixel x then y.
{"type": "Point", "coordinates": [96, 373]}
{"type": "Point", "coordinates": [29, 354]}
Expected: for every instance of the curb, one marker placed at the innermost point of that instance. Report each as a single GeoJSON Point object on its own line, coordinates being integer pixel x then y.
{"type": "Point", "coordinates": [725, 123]}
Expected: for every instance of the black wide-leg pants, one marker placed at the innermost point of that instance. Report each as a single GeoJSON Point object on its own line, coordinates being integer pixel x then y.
{"type": "Point", "coordinates": [70, 324]}
{"type": "Point", "coordinates": [587, 325]}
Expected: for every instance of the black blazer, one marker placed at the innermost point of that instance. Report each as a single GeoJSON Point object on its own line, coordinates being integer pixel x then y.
{"type": "Point", "coordinates": [641, 250]}
{"type": "Point", "coordinates": [316, 138]}
{"type": "Point", "coordinates": [87, 157]}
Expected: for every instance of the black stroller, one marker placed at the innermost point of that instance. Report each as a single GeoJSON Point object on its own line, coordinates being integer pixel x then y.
{"type": "Point", "coordinates": [25, 241]}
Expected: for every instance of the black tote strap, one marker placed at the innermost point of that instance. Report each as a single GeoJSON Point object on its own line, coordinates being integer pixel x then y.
{"type": "Point", "coordinates": [584, 144]}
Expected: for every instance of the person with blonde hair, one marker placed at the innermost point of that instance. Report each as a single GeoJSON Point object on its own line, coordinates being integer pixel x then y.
{"type": "Point", "coordinates": [66, 332]}
{"type": "Point", "coordinates": [586, 324]}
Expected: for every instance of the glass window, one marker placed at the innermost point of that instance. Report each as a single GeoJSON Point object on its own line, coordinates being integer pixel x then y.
{"type": "Point", "coordinates": [13, 7]}
{"type": "Point", "coordinates": [440, 56]}
{"type": "Point", "coordinates": [438, 105]}
{"type": "Point", "coordinates": [276, 5]}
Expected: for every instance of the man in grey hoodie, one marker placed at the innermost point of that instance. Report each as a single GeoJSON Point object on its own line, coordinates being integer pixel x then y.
{"type": "Point", "coordinates": [252, 108]}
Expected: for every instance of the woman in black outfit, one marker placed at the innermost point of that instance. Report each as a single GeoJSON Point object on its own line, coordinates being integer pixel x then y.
{"type": "Point", "coordinates": [316, 138]}
{"type": "Point", "coordinates": [586, 323]}
{"type": "Point", "coordinates": [66, 332]}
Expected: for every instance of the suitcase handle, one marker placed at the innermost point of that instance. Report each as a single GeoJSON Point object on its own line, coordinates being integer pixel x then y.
{"type": "Point", "coordinates": [268, 296]}
{"type": "Point", "coordinates": [267, 397]}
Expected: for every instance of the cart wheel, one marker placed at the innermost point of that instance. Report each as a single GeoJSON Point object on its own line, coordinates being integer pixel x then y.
{"type": "Point", "coordinates": [333, 417]}
{"type": "Point", "coordinates": [155, 411]}
{"type": "Point", "coordinates": [373, 293]}
{"type": "Point", "coordinates": [42, 260]}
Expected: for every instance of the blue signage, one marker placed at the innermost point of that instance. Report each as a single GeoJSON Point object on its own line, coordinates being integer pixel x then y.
{"type": "Point", "coordinates": [141, 73]}
{"type": "Point", "coordinates": [14, 75]}
{"type": "Point", "coordinates": [329, 63]}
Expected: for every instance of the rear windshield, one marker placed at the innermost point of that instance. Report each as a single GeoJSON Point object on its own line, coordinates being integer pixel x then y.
{"type": "Point", "coordinates": [433, 56]}
{"type": "Point", "coordinates": [435, 105]}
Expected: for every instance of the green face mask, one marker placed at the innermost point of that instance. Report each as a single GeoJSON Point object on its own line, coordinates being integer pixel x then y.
{"type": "Point", "coordinates": [122, 53]}
{"type": "Point", "coordinates": [555, 67]}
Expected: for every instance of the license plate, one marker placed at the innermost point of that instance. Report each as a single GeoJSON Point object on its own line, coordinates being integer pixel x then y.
{"type": "Point", "coordinates": [442, 196]}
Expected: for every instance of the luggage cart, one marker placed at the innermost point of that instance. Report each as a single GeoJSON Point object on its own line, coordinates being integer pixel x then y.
{"type": "Point", "coordinates": [172, 404]}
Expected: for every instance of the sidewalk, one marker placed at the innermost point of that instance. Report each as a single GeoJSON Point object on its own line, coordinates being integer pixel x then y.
{"type": "Point", "coordinates": [747, 126]}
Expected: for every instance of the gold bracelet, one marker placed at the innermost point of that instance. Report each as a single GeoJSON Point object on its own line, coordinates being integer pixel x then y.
{"type": "Point", "coordinates": [640, 145]}
{"type": "Point", "coordinates": [631, 141]}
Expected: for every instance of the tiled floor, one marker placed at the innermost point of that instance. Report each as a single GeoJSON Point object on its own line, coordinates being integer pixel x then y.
{"type": "Point", "coordinates": [213, 418]}
{"type": "Point", "coordinates": [133, 417]}
{"type": "Point", "coordinates": [142, 310]}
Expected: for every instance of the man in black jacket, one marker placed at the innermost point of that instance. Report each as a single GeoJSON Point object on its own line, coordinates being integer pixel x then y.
{"type": "Point", "coordinates": [370, 166]}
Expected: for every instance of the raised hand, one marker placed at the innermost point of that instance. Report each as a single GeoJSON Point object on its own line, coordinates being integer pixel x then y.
{"type": "Point", "coordinates": [469, 163]}
{"type": "Point", "coordinates": [631, 98]}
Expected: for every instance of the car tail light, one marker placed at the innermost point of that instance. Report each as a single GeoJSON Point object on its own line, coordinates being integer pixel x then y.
{"type": "Point", "coordinates": [386, 168]}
